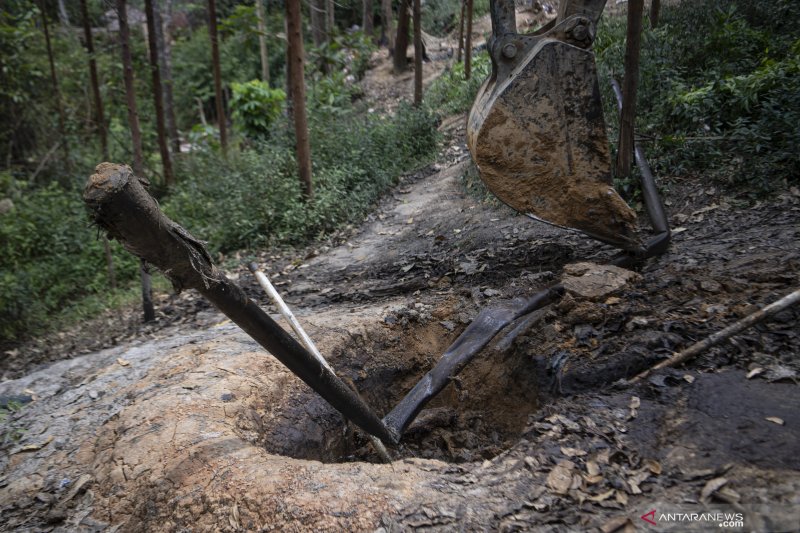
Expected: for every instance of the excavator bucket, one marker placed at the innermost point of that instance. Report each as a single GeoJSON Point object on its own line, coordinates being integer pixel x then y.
{"type": "Point", "coordinates": [536, 130]}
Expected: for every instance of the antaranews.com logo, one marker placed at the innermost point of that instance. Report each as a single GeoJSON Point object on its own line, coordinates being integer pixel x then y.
{"type": "Point", "coordinates": [723, 520]}
{"type": "Point", "coordinates": [663, 517]}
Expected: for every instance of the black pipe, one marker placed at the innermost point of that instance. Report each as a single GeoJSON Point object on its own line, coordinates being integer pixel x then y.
{"type": "Point", "coordinates": [478, 334]}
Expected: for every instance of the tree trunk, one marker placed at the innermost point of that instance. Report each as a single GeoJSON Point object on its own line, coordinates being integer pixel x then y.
{"type": "Point", "coordinates": [99, 115]}
{"type": "Point", "coordinates": [330, 25]}
{"type": "Point", "coordinates": [262, 42]}
{"type": "Point", "coordinates": [468, 43]}
{"type": "Point", "coordinates": [296, 58]}
{"type": "Point", "coordinates": [318, 22]}
{"type": "Point", "coordinates": [401, 41]}
{"type": "Point", "coordinates": [655, 11]}
{"type": "Point", "coordinates": [417, 54]}
{"type": "Point", "coordinates": [629, 85]}
{"type": "Point", "coordinates": [366, 18]}
{"type": "Point", "coordinates": [62, 117]}
{"type": "Point", "coordinates": [100, 124]}
{"type": "Point", "coordinates": [461, 31]}
{"type": "Point", "coordinates": [212, 33]}
{"type": "Point", "coordinates": [136, 139]}
{"type": "Point", "coordinates": [62, 13]}
{"type": "Point", "coordinates": [164, 35]}
{"type": "Point", "coordinates": [386, 10]}
{"type": "Point", "coordinates": [158, 93]}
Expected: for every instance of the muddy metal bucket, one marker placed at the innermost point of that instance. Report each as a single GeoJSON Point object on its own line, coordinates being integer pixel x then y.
{"type": "Point", "coordinates": [536, 130]}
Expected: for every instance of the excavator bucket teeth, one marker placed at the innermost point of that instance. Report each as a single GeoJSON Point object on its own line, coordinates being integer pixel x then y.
{"type": "Point", "coordinates": [539, 141]}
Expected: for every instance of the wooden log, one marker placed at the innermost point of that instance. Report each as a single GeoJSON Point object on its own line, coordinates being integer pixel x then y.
{"type": "Point", "coordinates": [121, 205]}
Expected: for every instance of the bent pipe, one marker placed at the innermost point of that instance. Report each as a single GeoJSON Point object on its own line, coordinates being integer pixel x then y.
{"type": "Point", "coordinates": [120, 204]}
{"type": "Point", "coordinates": [478, 334]}
{"type": "Point", "coordinates": [652, 200]}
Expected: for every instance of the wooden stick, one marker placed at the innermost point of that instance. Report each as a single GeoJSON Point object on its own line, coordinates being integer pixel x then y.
{"type": "Point", "coordinates": [703, 345]}
{"type": "Point", "coordinates": [263, 280]}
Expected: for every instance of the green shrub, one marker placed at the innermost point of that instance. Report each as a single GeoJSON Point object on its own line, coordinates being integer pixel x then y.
{"type": "Point", "coordinates": [451, 93]}
{"type": "Point", "coordinates": [253, 197]}
{"type": "Point", "coordinates": [722, 99]}
{"type": "Point", "coordinates": [255, 107]}
{"type": "Point", "coordinates": [49, 256]}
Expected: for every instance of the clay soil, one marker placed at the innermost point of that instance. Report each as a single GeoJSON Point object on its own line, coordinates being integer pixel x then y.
{"type": "Point", "coordinates": [188, 425]}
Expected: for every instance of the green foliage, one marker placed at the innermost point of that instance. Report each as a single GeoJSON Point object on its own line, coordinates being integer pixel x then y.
{"type": "Point", "coordinates": [253, 197]}
{"type": "Point", "coordinates": [255, 107]}
{"type": "Point", "coordinates": [440, 17]}
{"type": "Point", "coordinates": [723, 98]}
{"type": "Point", "coordinates": [49, 256]}
{"type": "Point", "coordinates": [451, 93]}
{"type": "Point", "coordinates": [349, 52]}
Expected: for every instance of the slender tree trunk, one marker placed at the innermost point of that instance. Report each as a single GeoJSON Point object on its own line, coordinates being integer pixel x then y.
{"type": "Point", "coordinates": [136, 138]}
{"type": "Point", "coordinates": [158, 94]}
{"type": "Point", "coordinates": [655, 11]}
{"type": "Point", "coordinates": [366, 17]}
{"type": "Point", "coordinates": [62, 117]}
{"type": "Point", "coordinates": [262, 41]}
{"type": "Point", "coordinates": [164, 35]}
{"type": "Point", "coordinates": [629, 85]}
{"type": "Point", "coordinates": [468, 43]}
{"type": "Point", "coordinates": [100, 124]}
{"type": "Point", "coordinates": [318, 22]}
{"type": "Point", "coordinates": [296, 60]}
{"type": "Point", "coordinates": [388, 30]}
{"type": "Point", "coordinates": [62, 13]}
{"type": "Point", "coordinates": [99, 115]}
{"type": "Point", "coordinates": [289, 96]}
{"type": "Point", "coordinates": [401, 41]}
{"type": "Point", "coordinates": [330, 26]}
{"type": "Point", "coordinates": [417, 54]}
{"type": "Point", "coordinates": [212, 32]}
{"type": "Point", "coordinates": [461, 31]}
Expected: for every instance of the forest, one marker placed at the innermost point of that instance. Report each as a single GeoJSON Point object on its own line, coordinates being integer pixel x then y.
{"type": "Point", "coordinates": [336, 147]}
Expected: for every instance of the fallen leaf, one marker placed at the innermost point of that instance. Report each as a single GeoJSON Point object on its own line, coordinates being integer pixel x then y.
{"type": "Point", "coordinates": [33, 447]}
{"type": "Point", "coordinates": [617, 524]}
{"type": "Point", "coordinates": [410, 220]}
{"type": "Point", "coordinates": [634, 406]}
{"type": "Point", "coordinates": [712, 486]}
{"type": "Point", "coordinates": [592, 468]}
{"type": "Point", "coordinates": [602, 497]}
{"type": "Point", "coordinates": [775, 420]}
{"type": "Point", "coordinates": [688, 379]}
{"type": "Point", "coordinates": [594, 478]}
{"type": "Point", "coordinates": [653, 466]}
{"type": "Point", "coordinates": [560, 477]}
{"type": "Point", "coordinates": [572, 452]}
{"type": "Point", "coordinates": [123, 362]}
{"type": "Point", "coordinates": [753, 373]}
{"type": "Point", "coordinates": [621, 498]}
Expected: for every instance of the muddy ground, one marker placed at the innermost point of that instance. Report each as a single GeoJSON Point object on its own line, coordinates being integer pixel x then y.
{"type": "Point", "coordinates": [188, 425]}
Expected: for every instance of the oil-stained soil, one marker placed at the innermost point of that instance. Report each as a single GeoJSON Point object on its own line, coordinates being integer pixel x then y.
{"type": "Point", "coordinates": [188, 425]}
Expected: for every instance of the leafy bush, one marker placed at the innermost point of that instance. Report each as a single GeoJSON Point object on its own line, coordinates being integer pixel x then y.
{"type": "Point", "coordinates": [451, 93]}
{"type": "Point", "coordinates": [253, 197]}
{"type": "Point", "coordinates": [722, 99]}
{"type": "Point", "coordinates": [349, 52]}
{"type": "Point", "coordinates": [255, 107]}
{"type": "Point", "coordinates": [48, 257]}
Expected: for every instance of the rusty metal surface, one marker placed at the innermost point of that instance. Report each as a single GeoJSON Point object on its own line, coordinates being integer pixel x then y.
{"type": "Point", "coordinates": [537, 132]}
{"type": "Point", "coordinates": [540, 145]}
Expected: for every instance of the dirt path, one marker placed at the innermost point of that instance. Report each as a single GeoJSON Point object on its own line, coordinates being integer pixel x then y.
{"type": "Point", "coordinates": [199, 429]}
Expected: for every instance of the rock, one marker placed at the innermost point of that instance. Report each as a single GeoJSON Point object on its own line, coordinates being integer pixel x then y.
{"type": "Point", "coordinates": [596, 282]}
